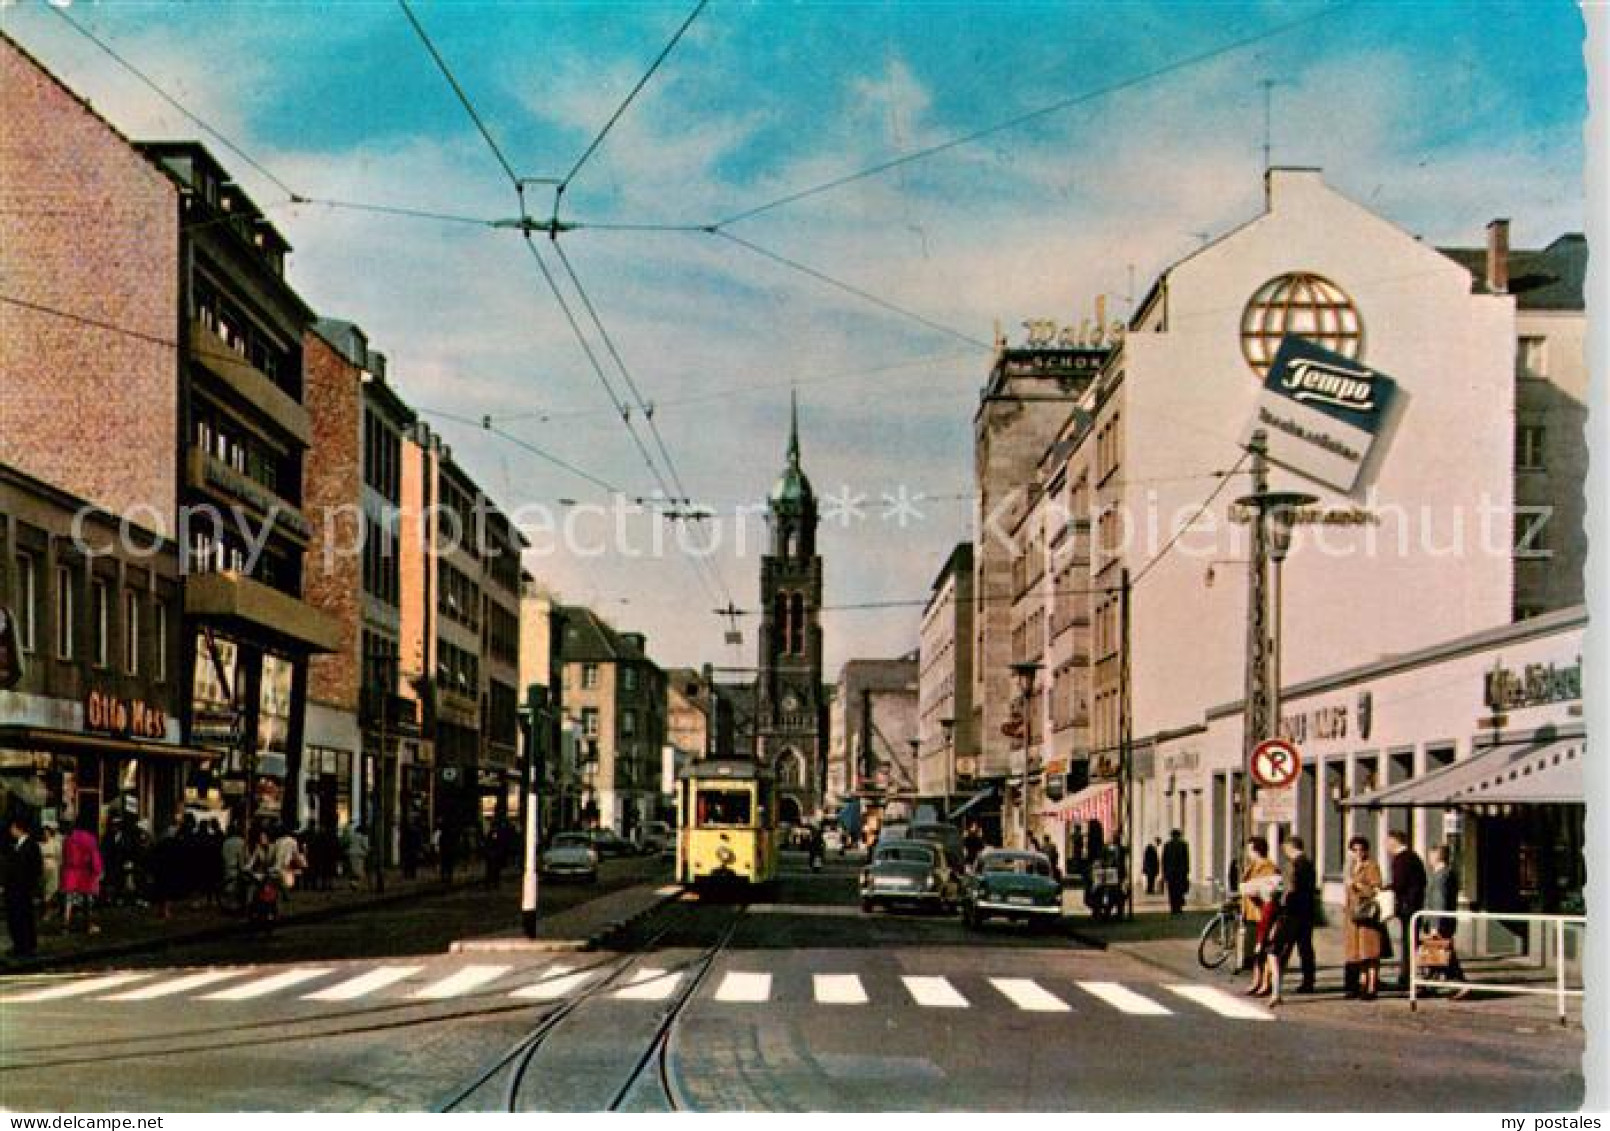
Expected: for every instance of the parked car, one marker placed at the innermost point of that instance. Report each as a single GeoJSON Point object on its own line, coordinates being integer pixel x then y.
{"type": "Point", "coordinates": [935, 832]}
{"type": "Point", "coordinates": [1011, 884]}
{"type": "Point", "coordinates": [608, 842]}
{"type": "Point", "coordinates": [655, 837]}
{"type": "Point", "coordinates": [571, 856]}
{"type": "Point", "coordinates": [894, 830]}
{"type": "Point", "coordinates": [908, 872]}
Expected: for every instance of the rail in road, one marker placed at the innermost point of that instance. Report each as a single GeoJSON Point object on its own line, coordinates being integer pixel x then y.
{"type": "Point", "coordinates": [509, 1077]}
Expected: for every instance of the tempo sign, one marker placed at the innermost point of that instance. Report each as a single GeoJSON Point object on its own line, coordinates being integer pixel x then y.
{"type": "Point", "coordinates": [1323, 414]}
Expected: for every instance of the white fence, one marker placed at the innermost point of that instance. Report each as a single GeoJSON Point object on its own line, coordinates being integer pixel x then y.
{"type": "Point", "coordinates": [1560, 923]}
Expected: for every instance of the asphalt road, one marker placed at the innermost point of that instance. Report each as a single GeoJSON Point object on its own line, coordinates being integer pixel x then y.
{"type": "Point", "coordinates": [809, 1005]}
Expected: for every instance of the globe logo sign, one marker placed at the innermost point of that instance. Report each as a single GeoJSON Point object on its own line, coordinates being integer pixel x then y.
{"type": "Point", "coordinates": [1302, 305]}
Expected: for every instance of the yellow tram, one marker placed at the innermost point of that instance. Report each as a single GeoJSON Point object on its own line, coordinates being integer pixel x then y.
{"type": "Point", "coordinates": [726, 823]}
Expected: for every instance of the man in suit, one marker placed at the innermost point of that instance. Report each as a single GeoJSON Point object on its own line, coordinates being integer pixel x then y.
{"type": "Point", "coordinates": [1409, 889]}
{"type": "Point", "coordinates": [1297, 910]}
{"type": "Point", "coordinates": [1176, 871]}
{"type": "Point", "coordinates": [25, 870]}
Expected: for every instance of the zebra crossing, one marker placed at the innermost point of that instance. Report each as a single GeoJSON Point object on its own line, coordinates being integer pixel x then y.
{"type": "Point", "coordinates": [558, 981]}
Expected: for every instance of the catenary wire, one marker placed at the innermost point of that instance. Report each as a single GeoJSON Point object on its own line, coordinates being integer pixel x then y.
{"type": "Point", "coordinates": [627, 101]}
{"type": "Point", "coordinates": [1034, 115]}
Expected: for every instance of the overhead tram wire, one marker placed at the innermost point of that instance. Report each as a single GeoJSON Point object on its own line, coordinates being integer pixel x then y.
{"type": "Point", "coordinates": [627, 101]}
{"type": "Point", "coordinates": [1200, 511]}
{"type": "Point", "coordinates": [526, 445]}
{"type": "Point", "coordinates": [1034, 115]}
{"type": "Point", "coordinates": [848, 288]}
{"type": "Point", "coordinates": [463, 98]}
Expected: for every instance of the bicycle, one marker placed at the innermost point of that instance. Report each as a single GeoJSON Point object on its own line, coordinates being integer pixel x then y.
{"type": "Point", "coordinates": [1221, 936]}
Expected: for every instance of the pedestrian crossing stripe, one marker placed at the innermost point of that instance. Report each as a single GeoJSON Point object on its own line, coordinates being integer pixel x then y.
{"type": "Point", "coordinates": [262, 987]}
{"type": "Point", "coordinates": [363, 984]}
{"type": "Point", "coordinates": [1225, 1005]}
{"type": "Point", "coordinates": [649, 983]}
{"type": "Point", "coordinates": [77, 989]}
{"type": "Point", "coordinates": [456, 985]}
{"type": "Point", "coordinates": [1028, 995]}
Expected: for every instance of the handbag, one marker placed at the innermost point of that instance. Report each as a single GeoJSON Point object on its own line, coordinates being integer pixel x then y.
{"type": "Point", "coordinates": [1434, 953]}
{"type": "Point", "coordinates": [1367, 912]}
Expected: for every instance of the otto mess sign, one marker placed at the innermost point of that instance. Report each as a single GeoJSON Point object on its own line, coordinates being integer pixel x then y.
{"type": "Point", "coordinates": [1275, 764]}
{"type": "Point", "coordinates": [1323, 414]}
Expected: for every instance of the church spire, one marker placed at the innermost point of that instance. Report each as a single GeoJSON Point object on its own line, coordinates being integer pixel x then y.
{"type": "Point", "coordinates": [793, 428]}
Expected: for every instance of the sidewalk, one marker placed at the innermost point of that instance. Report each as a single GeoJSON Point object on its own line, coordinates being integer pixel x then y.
{"type": "Point", "coordinates": [1169, 942]}
{"type": "Point", "coordinates": [132, 929]}
{"type": "Point", "coordinates": [586, 926]}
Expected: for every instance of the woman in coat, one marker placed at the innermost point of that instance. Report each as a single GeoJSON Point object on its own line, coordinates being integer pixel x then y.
{"type": "Point", "coordinates": [1442, 894]}
{"type": "Point", "coordinates": [1259, 879]}
{"type": "Point", "coordinates": [80, 874]}
{"type": "Point", "coordinates": [1365, 941]}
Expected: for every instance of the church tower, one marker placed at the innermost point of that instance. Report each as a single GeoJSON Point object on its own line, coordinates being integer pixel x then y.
{"type": "Point", "coordinates": [791, 710]}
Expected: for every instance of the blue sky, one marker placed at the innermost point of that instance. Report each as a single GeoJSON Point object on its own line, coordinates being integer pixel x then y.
{"type": "Point", "coordinates": [1437, 115]}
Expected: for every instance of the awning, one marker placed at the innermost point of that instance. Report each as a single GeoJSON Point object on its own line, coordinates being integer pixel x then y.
{"type": "Point", "coordinates": [1528, 773]}
{"type": "Point", "coordinates": [72, 742]}
{"type": "Point", "coordinates": [1093, 803]}
{"type": "Point", "coordinates": [970, 803]}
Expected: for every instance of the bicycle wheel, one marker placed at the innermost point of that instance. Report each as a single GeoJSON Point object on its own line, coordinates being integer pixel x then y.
{"type": "Point", "coordinates": [1214, 947]}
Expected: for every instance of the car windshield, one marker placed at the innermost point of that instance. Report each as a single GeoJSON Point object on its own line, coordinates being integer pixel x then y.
{"type": "Point", "coordinates": [1018, 864]}
{"type": "Point", "coordinates": [570, 840]}
{"type": "Point", "coordinates": [936, 833]}
{"type": "Point", "coordinates": [904, 854]}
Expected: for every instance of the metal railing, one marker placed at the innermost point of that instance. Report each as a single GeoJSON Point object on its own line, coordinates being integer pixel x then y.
{"type": "Point", "coordinates": [1558, 989]}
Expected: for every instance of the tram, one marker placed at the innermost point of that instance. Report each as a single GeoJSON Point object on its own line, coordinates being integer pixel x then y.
{"type": "Point", "coordinates": [726, 823]}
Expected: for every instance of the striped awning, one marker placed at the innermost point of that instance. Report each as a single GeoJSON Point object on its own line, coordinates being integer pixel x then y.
{"type": "Point", "coordinates": [1093, 803]}
{"type": "Point", "coordinates": [1529, 773]}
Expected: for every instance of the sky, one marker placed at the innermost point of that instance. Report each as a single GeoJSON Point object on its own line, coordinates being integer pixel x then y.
{"type": "Point", "coordinates": [1437, 115]}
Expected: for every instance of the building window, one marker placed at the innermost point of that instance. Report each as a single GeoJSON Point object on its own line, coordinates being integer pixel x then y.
{"type": "Point", "coordinates": [628, 722]}
{"type": "Point", "coordinates": [27, 593]}
{"type": "Point", "coordinates": [131, 631]}
{"type": "Point", "coordinates": [101, 620]}
{"type": "Point", "coordinates": [64, 613]}
{"type": "Point", "coordinates": [1531, 360]}
{"type": "Point", "coordinates": [629, 679]}
{"type": "Point", "coordinates": [589, 721]}
{"type": "Point", "coordinates": [589, 677]}
{"type": "Point", "coordinates": [1529, 447]}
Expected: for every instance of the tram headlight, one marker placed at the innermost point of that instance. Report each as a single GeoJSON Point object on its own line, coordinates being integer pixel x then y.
{"type": "Point", "coordinates": [726, 855]}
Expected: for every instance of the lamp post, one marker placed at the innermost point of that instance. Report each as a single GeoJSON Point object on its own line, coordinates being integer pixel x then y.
{"type": "Point", "coordinates": [947, 729]}
{"type": "Point", "coordinates": [1024, 672]}
{"type": "Point", "coordinates": [1271, 541]}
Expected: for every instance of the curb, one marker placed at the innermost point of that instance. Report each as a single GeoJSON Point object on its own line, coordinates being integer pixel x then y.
{"type": "Point", "coordinates": [231, 929]}
{"type": "Point", "coordinates": [594, 941]}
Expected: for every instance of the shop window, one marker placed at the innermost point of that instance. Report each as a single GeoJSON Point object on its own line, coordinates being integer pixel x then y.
{"type": "Point", "coordinates": [101, 622]}
{"type": "Point", "coordinates": [65, 626]}
{"type": "Point", "coordinates": [27, 594]}
{"type": "Point", "coordinates": [131, 631]}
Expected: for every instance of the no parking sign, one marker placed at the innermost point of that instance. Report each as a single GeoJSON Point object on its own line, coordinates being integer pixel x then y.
{"type": "Point", "coordinates": [1276, 763]}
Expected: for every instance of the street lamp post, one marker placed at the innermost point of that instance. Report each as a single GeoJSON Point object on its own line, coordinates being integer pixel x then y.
{"type": "Point", "coordinates": [947, 728]}
{"type": "Point", "coordinates": [1024, 672]}
{"type": "Point", "coordinates": [1271, 541]}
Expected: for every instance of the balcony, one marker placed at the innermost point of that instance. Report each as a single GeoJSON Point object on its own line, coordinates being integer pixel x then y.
{"type": "Point", "coordinates": [248, 382]}
{"type": "Point", "coordinates": [206, 472]}
{"type": "Point", "coordinates": [235, 598]}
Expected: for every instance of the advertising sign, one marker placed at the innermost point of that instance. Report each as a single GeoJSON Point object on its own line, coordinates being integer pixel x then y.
{"type": "Point", "coordinates": [1322, 413]}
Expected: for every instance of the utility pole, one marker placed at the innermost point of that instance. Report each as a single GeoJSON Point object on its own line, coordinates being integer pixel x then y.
{"type": "Point", "coordinates": [1255, 725]}
{"type": "Point", "coordinates": [1126, 750]}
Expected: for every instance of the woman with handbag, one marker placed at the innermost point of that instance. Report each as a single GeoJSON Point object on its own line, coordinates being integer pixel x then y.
{"type": "Point", "coordinates": [1442, 894]}
{"type": "Point", "coordinates": [1365, 933]}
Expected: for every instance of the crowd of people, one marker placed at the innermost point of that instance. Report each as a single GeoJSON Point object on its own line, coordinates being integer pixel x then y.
{"type": "Point", "coordinates": [62, 873]}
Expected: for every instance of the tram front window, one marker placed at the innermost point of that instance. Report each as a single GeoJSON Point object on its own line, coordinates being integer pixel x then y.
{"type": "Point", "coordinates": [728, 807]}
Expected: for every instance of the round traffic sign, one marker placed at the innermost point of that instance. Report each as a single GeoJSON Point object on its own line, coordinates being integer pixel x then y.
{"type": "Point", "coordinates": [1276, 763]}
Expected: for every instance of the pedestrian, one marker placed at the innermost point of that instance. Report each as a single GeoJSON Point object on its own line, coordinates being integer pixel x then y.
{"type": "Point", "coordinates": [1259, 881]}
{"type": "Point", "coordinates": [286, 861]}
{"type": "Point", "coordinates": [1049, 847]}
{"type": "Point", "coordinates": [1408, 888]}
{"type": "Point", "coordinates": [1364, 936]}
{"type": "Point", "coordinates": [357, 853]}
{"type": "Point", "coordinates": [166, 868]}
{"type": "Point", "coordinates": [1151, 864]}
{"type": "Point", "coordinates": [1298, 904]}
{"type": "Point", "coordinates": [50, 855]}
{"type": "Point", "coordinates": [1176, 871]}
{"type": "Point", "coordinates": [24, 870]}
{"type": "Point", "coordinates": [410, 847]}
{"type": "Point", "coordinates": [447, 850]}
{"type": "Point", "coordinates": [232, 866]}
{"type": "Point", "coordinates": [818, 848]}
{"type": "Point", "coordinates": [81, 873]}
{"type": "Point", "coordinates": [973, 843]}
{"type": "Point", "coordinates": [495, 846]}
{"type": "Point", "coordinates": [1442, 894]}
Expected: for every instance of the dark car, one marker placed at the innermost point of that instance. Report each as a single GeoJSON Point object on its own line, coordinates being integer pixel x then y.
{"type": "Point", "coordinates": [909, 872]}
{"type": "Point", "coordinates": [607, 842]}
{"type": "Point", "coordinates": [1015, 885]}
{"type": "Point", "coordinates": [948, 836]}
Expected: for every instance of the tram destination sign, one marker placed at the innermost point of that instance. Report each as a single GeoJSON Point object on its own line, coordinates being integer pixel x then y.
{"type": "Point", "coordinates": [1323, 414]}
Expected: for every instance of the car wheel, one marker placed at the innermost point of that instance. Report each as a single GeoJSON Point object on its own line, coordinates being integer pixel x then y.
{"type": "Point", "coordinates": [867, 906]}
